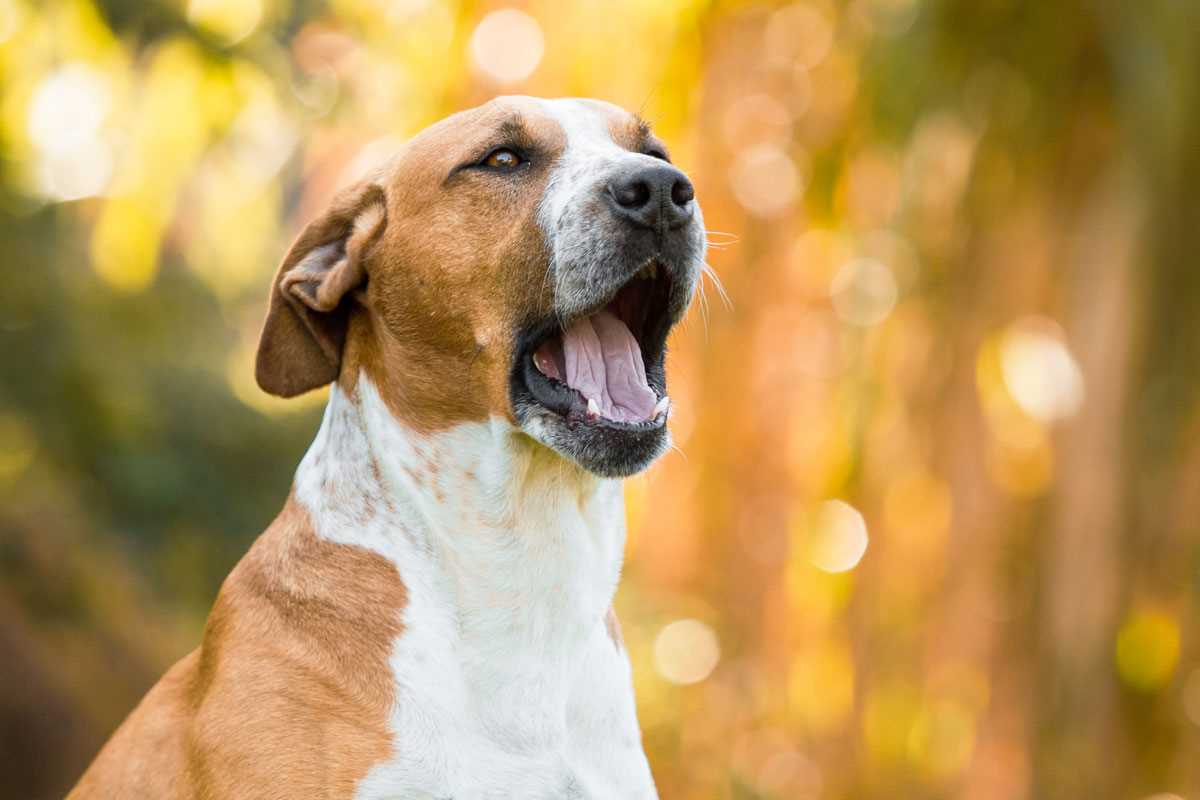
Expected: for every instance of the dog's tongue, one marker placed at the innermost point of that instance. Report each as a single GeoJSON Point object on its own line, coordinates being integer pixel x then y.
{"type": "Point", "coordinates": [604, 363]}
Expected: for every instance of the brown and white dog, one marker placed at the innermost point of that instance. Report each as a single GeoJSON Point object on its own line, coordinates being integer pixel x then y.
{"type": "Point", "coordinates": [430, 614]}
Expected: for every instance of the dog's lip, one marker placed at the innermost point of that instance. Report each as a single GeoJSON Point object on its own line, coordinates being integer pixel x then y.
{"type": "Point", "coordinates": [571, 406]}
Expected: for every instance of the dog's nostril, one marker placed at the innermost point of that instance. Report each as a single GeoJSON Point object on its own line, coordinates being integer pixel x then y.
{"type": "Point", "coordinates": [682, 192]}
{"type": "Point", "coordinates": [657, 197]}
{"type": "Point", "coordinates": [632, 194]}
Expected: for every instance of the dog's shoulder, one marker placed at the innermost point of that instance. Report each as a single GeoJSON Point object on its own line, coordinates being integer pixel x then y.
{"type": "Point", "coordinates": [147, 756]}
{"type": "Point", "coordinates": [296, 650]}
{"type": "Point", "coordinates": [290, 690]}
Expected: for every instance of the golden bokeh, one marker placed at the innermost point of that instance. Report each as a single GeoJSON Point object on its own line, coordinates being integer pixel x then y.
{"type": "Point", "coordinates": [931, 527]}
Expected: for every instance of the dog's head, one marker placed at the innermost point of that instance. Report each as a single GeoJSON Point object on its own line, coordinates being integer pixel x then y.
{"type": "Point", "coordinates": [524, 260]}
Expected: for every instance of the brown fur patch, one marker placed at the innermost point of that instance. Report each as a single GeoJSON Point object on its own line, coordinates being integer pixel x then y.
{"type": "Point", "coordinates": [459, 268]}
{"type": "Point", "coordinates": [631, 132]}
{"type": "Point", "coordinates": [290, 693]}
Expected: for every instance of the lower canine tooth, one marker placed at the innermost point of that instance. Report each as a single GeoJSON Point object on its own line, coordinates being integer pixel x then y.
{"type": "Point", "coordinates": [593, 407]}
{"type": "Point", "coordinates": [661, 406]}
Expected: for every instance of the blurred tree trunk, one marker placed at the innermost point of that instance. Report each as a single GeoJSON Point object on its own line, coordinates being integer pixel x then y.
{"type": "Point", "coordinates": [1078, 754]}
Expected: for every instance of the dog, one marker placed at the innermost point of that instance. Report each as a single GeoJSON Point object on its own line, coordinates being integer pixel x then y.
{"type": "Point", "coordinates": [430, 614]}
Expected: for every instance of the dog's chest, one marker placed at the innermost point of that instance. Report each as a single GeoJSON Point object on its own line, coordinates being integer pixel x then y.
{"type": "Point", "coordinates": [508, 695]}
{"type": "Point", "coordinates": [507, 683]}
{"type": "Point", "coordinates": [465, 733]}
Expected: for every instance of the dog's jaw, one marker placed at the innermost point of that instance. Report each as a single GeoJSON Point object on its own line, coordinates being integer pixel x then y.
{"type": "Point", "coordinates": [592, 253]}
{"type": "Point", "coordinates": [510, 557]}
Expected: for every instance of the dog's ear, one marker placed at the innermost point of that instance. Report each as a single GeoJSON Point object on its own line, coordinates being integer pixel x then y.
{"type": "Point", "coordinates": [301, 343]}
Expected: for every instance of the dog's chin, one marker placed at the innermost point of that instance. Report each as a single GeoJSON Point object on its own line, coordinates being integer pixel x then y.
{"type": "Point", "coordinates": [610, 450]}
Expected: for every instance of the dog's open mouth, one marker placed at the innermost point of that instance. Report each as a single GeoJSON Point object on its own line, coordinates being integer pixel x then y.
{"type": "Point", "coordinates": [605, 367]}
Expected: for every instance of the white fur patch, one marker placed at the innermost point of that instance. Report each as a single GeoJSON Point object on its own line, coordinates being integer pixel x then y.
{"type": "Point", "coordinates": [507, 683]}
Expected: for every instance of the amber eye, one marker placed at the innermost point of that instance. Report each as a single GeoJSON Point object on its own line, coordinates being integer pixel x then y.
{"type": "Point", "coordinates": [502, 159]}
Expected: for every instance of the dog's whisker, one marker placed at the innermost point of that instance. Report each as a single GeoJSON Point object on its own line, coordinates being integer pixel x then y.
{"type": "Point", "coordinates": [707, 271]}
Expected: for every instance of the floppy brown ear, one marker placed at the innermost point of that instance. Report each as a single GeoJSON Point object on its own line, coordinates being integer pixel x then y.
{"type": "Point", "coordinates": [301, 344]}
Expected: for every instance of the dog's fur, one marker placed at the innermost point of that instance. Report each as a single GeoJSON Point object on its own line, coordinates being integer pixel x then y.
{"type": "Point", "coordinates": [430, 614]}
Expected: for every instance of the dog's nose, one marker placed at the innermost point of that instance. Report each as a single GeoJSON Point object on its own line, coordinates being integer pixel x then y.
{"type": "Point", "coordinates": [653, 196]}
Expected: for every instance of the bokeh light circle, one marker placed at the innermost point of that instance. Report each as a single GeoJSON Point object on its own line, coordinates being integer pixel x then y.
{"type": "Point", "coordinates": [863, 292]}
{"type": "Point", "coordinates": [507, 45]}
{"type": "Point", "coordinates": [837, 538]}
{"type": "Point", "coordinates": [1147, 649]}
{"type": "Point", "coordinates": [765, 180]}
{"type": "Point", "coordinates": [1039, 371]}
{"type": "Point", "coordinates": [229, 20]}
{"type": "Point", "coordinates": [65, 123]}
{"type": "Point", "coordinates": [757, 118]}
{"type": "Point", "coordinates": [686, 651]}
{"type": "Point", "coordinates": [798, 34]}
{"type": "Point", "coordinates": [68, 108]}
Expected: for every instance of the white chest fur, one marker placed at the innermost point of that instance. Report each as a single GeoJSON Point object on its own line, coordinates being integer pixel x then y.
{"type": "Point", "coordinates": [507, 682]}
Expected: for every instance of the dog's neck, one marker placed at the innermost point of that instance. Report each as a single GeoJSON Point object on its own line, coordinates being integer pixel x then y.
{"type": "Point", "coordinates": [520, 546]}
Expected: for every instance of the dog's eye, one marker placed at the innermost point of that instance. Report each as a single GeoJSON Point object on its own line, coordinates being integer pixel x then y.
{"type": "Point", "coordinates": [503, 159]}
{"type": "Point", "coordinates": [661, 155]}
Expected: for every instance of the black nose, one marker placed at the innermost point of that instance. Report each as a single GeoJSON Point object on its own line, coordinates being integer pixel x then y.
{"type": "Point", "coordinates": [653, 197]}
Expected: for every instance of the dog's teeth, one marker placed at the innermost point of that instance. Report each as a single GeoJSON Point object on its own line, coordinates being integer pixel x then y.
{"type": "Point", "coordinates": [661, 406]}
{"type": "Point", "coordinates": [593, 408]}
{"type": "Point", "coordinates": [653, 270]}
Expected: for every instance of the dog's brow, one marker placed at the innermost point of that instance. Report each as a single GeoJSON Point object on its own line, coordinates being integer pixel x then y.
{"type": "Point", "coordinates": [642, 127]}
{"type": "Point", "coordinates": [644, 137]}
{"type": "Point", "coordinates": [514, 129]}
{"type": "Point", "coordinates": [513, 126]}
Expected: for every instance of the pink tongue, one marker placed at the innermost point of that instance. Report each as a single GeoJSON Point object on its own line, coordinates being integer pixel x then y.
{"type": "Point", "coordinates": [604, 363]}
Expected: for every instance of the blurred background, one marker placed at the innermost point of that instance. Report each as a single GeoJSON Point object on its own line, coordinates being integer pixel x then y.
{"type": "Point", "coordinates": [933, 525]}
